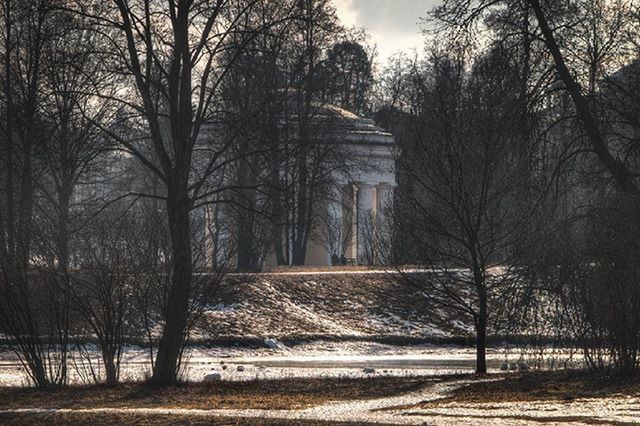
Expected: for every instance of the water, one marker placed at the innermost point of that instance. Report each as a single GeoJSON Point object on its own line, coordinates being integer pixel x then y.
{"type": "Point", "coordinates": [314, 360]}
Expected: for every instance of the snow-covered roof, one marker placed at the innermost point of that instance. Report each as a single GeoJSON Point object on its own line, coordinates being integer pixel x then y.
{"type": "Point", "coordinates": [339, 125]}
{"type": "Point", "coordinates": [352, 127]}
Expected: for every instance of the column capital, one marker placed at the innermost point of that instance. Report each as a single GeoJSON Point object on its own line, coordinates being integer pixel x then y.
{"type": "Point", "coordinates": [386, 185]}
{"type": "Point", "coordinates": [364, 184]}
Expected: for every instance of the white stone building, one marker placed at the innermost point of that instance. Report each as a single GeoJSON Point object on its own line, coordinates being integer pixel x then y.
{"type": "Point", "coordinates": [353, 208]}
{"type": "Point", "coordinates": [361, 197]}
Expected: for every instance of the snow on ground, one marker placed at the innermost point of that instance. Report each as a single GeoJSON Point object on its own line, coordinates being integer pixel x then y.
{"type": "Point", "coordinates": [615, 409]}
{"type": "Point", "coordinates": [354, 304]}
{"type": "Point", "coordinates": [612, 410]}
{"type": "Point", "coordinates": [337, 310]}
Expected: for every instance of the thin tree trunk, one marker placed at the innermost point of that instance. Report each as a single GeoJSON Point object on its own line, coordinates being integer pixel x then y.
{"type": "Point", "coordinates": [299, 255]}
{"type": "Point", "coordinates": [110, 367]}
{"type": "Point", "coordinates": [63, 278]}
{"type": "Point", "coordinates": [280, 257]}
{"type": "Point", "coordinates": [481, 342]}
{"type": "Point", "coordinates": [481, 320]}
{"type": "Point", "coordinates": [8, 133]}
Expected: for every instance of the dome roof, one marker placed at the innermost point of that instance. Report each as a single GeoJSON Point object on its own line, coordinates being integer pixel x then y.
{"type": "Point", "coordinates": [352, 127]}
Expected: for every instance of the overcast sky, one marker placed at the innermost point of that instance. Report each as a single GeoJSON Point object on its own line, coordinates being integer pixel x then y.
{"type": "Point", "coordinates": [392, 24]}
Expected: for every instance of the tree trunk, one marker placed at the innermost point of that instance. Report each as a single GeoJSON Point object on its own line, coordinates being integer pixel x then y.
{"type": "Point", "coordinates": [63, 280]}
{"type": "Point", "coordinates": [110, 367]}
{"type": "Point", "coordinates": [299, 252]}
{"type": "Point", "coordinates": [246, 246]}
{"type": "Point", "coordinates": [165, 371]}
{"type": "Point", "coordinates": [481, 335]}
{"type": "Point", "coordinates": [7, 210]}
{"type": "Point", "coordinates": [280, 257]}
{"type": "Point", "coordinates": [299, 255]}
{"type": "Point", "coordinates": [248, 257]}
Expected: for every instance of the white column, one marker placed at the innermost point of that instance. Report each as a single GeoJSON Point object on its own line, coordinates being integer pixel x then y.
{"type": "Point", "coordinates": [210, 242]}
{"type": "Point", "coordinates": [349, 221]}
{"type": "Point", "coordinates": [366, 216]}
{"type": "Point", "coordinates": [384, 201]}
{"type": "Point", "coordinates": [334, 223]}
{"type": "Point", "coordinates": [384, 198]}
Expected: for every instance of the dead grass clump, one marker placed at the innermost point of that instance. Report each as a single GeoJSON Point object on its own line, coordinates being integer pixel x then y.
{"type": "Point", "coordinates": [107, 419]}
{"type": "Point", "coordinates": [265, 394]}
{"type": "Point", "coordinates": [545, 386]}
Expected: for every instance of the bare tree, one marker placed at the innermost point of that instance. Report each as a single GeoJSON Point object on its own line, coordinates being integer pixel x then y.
{"type": "Point", "coordinates": [316, 28]}
{"type": "Point", "coordinates": [586, 43]}
{"type": "Point", "coordinates": [172, 53]}
{"type": "Point", "coordinates": [600, 39]}
{"type": "Point", "coordinates": [38, 330]}
{"type": "Point", "coordinates": [349, 76]}
{"type": "Point", "coordinates": [252, 93]}
{"type": "Point", "coordinates": [463, 186]}
{"type": "Point", "coordinates": [103, 288]}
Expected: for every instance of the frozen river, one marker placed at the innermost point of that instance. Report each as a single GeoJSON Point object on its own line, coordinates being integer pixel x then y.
{"type": "Point", "coordinates": [319, 359]}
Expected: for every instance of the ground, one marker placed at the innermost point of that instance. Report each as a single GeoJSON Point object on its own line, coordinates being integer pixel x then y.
{"type": "Point", "coordinates": [52, 419]}
{"type": "Point", "coordinates": [349, 345]}
{"type": "Point", "coordinates": [509, 399]}
{"type": "Point", "coordinates": [257, 394]}
{"type": "Point", "coordinates": [546, 386]}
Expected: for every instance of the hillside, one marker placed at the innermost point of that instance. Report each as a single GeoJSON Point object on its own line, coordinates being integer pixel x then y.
{"type": "Point", "coordinates": [320, 304]}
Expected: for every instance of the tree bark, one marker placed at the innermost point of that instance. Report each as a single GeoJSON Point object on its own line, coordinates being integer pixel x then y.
{"type": "Point", "coordinates": [299, 255]}
{"type": "Point", "coordinates": [247, 256]}
{"type": "Point", "coordinates": [63, 279]}
{"type": "Point", "coordinates": [481, 336]}
{"type": "Point", "coordinates": [110, 367]}
{"type": "Point", "coordinates": [166, 366]}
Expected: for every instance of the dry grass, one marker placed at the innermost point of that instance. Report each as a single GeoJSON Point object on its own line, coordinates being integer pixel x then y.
{"type": "Point", "coordinates": [538, 420]}
{"type": "Point", "coordinates": [320, 269]}
{"type": "Point", "coordinates": [535, 386]}
{"type": "Point", "coordinates": [276, 394]}
{"type": "Point", "coordinates": [280, 394]}
{"type": "Point", "coordinates": [538, 386]}
{"type": "Point", "coordinates": [73, 419]}
{"type": "Point", "coordinates": [546, 386]}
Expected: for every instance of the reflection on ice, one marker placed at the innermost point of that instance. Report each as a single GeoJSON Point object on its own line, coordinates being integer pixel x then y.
{"type": "Point", "coordinates": [315, 359]}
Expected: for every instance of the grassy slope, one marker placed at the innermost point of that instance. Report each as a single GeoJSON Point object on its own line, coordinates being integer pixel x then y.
{"type": "Point", "coordinates": [342, 305]}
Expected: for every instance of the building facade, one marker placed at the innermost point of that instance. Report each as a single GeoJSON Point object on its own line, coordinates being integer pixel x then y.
{"type": "Point", "coordinates": [351, 211]}
{"type": "Point", "coordinates": [357, 211]}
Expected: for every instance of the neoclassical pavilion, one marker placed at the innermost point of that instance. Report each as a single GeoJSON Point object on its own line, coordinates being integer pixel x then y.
{"type": "Point", "coordinates": [358, 199]}
{"type": "Point", "coordinates": [362, 196]}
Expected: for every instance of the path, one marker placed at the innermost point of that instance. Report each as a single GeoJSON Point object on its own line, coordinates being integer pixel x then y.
{"type": "Point", "coordinates": [620, 410]}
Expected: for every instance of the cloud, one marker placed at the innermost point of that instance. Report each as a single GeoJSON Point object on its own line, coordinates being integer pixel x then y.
{"type": "Point", "coordinates": [401, 15]}
{"type": "Point", "coordinates": [347, 13]}
{"type": "Point", "coordinates": [393, 24]}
